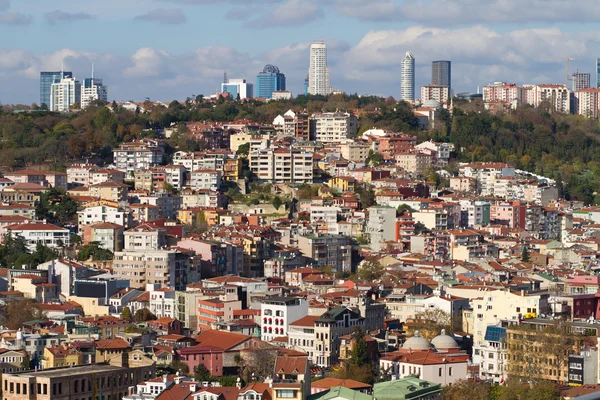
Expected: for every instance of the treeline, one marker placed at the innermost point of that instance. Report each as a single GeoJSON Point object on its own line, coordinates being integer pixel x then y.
{"type": "Point", "coordinates": [562, 147]}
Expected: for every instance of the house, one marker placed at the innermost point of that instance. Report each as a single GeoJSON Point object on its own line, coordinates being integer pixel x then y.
{"type": "Point", "coordinates": [35, 233]}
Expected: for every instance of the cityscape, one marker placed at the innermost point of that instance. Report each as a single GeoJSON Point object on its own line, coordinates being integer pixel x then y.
{"type": "Point", "coordinates": [410, 212]}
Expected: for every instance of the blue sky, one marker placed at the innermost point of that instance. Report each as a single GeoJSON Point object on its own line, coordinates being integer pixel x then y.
{"type": "Point", "coordinates": [170, 49]}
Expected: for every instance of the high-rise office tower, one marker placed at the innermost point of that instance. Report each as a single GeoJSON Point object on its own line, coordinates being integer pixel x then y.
{"type": "Point", "coordinates": [318, 75]}
{"type": "Point", "coordinates": [598, 72]}
{"type": "Point", "coordinates": [581, 80]}
{"type": "Point", "coordinates": [92, 89]}
{"type": "Point", "coordinates": [63, 94]}
{"type": "Point", "coordinates": [268, 81]}
{"type": "Point", "coordinates": [238, 88]}
{"type": "Point", "coordinates": [407, 91]}
{"type": "Point", "coordinates": [47, 78]}
{"type": "Point", "coordinates": [441, 73]}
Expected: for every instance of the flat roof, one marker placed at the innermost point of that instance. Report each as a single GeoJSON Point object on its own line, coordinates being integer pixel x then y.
{"type": "Point", "coordinates": [68, 371]}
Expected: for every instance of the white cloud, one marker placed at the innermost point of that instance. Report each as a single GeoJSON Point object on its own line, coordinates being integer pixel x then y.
{"type": "Point", "coordinates": [163, 16]}
{"type": "Point", "coordinates": [479, 55]}
{"type": "Point", "coordinates": [14, 18]}
{"type": "Point", "coordinates": [291, 12]}
{"type": "Point", "coordinates": [58, 16]}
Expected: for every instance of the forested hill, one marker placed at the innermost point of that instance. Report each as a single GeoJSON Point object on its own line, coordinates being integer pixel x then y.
{"type": "Point", "coordinates": [562, 147]}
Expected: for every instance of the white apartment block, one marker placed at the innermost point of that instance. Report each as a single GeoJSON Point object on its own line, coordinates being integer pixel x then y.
{"type": "Point", "coordinates": [92, 90]}
{"type": "Point", "coordinates": [381, 226]}
{"type": "Point", "coordinates": [166, 268]}
{"type": "Point", "coordinates": [282, 165]}
{"type": "Point", "coordinates": [162, 303]}
{"type": "Point", "coordinates": [145, 237]}
{"type": "Point", "coordinates": [333, 127]}
{"type": "Point", "coordinates": [441, 151]}
{"type": "Point", "coordinates": [325, 214]}
{"type": "Point", "coordinates": [35, 233]}
{"type": "Point", "coordinates": [208, 179]}
{"type": "Point", "coordinates": [276, 313]}
{"type": "Point", "coordinates": [102, 213]}
{"type": "Point", "coordinates": [491, 355]}
{"type": "Point", "coordinates": [318, 73]}
{"type": "Point", "coordinates": [486, 175]}
{"type": "Point", "coordinates": [355, 151]}
{"type": "Point", "coordinates": [587, 102]}
{"type": "Point", "coordinates": [559, 96]}
{"type": "Point", "coordinates": [508, 93]}
{"type": "Point", "coordinates": [435, 92]}
{"type": "Point", "coordinates": [414, 162]}
{"type": "Point", "coordinates": [64, 94]}
{"type": "Point", "coordinates": [79, 174]}
{"type": "Point", "coordinates": [136, 156]}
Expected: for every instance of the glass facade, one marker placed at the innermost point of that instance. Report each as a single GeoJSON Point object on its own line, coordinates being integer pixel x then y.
{"type": "Point", "coordinates": [46, 81]}
{"type": "Point", "coordinates": [441, 73]}
{"type": "Point", "coordinates": [598, 72]}
{"type": "Point", "coordinates": [232, 90]}
{"type": "Point", "coordinates": [268, 81]}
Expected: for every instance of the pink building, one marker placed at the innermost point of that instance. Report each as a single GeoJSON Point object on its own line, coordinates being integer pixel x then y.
{"type": "Point", "coordinates": [211, 357]}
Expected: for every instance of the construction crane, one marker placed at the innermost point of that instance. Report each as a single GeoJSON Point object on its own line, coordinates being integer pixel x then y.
{"type": "Point", "coordinates": [567, 59]}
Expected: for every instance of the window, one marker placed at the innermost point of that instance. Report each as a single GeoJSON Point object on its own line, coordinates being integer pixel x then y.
{"type": "Point", "coordinates": [286, 394]}
{"type": "Point", "coordinates": [440, 372]}
{"type": "Point", "coordinates": [450, 371]}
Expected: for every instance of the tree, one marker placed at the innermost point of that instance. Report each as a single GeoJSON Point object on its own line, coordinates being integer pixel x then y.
{"type": "Point", "coordinates": [26, 363]}
{"type": "Point", "coordinates": [95, 251]}
{"type": "Point", "coordinates": [359, 354]}
{"type": "Point", "coordinates": [370, 270]}
{"type": "Point", "coordinates": [467, 389]}
{"type": "Point", "coordinates": [126, 314]}
{"type": "Point", "coordinates": [431, 322]}
{"type": "Point", "coordinates": [20, 310]}
{"type": "Point", "coordinates": [143, 315]}
{"type": "Point", "coordinates": [277, 202]}
{"type": "Point", "coordinates": [178, 366]}
{"type": "Point", "coordinates": [201, 373]}
{"type": "Point", "coordinates": [525, 254]}
{"type": "Point", "coordinates": [243, 149]}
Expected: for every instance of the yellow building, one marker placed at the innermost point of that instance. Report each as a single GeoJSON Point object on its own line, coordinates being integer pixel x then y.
{"type": "Point", "coordinates": [232, 170]}
{"type": "Point", "coordinates": [343, 183]}
{"type": "Point", "coordinates": [61, 356]}
{"type": "Point", "coordinates": [113, 191]}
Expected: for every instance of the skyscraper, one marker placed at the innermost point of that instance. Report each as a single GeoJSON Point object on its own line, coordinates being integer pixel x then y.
{"type": "Point", "coordinates": [46, 80]}
{"type": "Point", "coordinates": [581, 80]}
{"type": "Point", "coordinates": [268, 81]}
{"type": "Point", "coordinates": [63, 94]}
{"type": "Point", "coordinates": [407, 91]}
{"type": "Point", "coordinates": [441, 73]}
{"type": "Point", "coordinates": [598, 72]}
{"type": "Point", "coordinates": [238, 88]}
{"type": "Point", "coordinates": [92, 89]}
{"type": "Point", "coordinates": [318, 76]}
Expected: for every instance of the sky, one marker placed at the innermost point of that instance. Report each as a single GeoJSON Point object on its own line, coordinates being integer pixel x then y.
{"type": "Point", "coordinates": [172, 49]}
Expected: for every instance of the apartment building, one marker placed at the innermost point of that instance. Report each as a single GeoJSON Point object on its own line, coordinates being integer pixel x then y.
{"type": "Point", "coordinates": [281, 165]}
{"type": "Point", "coordinates": [329, 327]}
{"type": "Point", "coordinates": [587, 102]}
{"type": "Point", "coordinates": [167, 268]}
{"type": "Point", "coordinates": [205, 179]}
{"type": "Point", "coordinates": [381, 226]}
{"type": "Point", "coordinates": [355, 151]}
{"type": "Point", "coordinates": [414, 162]}
{"type": "Point", "coordinates": [140, 155]}
{"type": "Point", "coordinates": [327, 250]}
{"type": "Point", "coordinates": [558, 97]}
{"type": "Point", "coordinates": [35, 233]}
{"type": "Point", "coordinates": [438, 93]}
{"type": "Point", "coordinates": [333, 127]}
{"type": "Point", "coordinates": [211, 312]}
{"type": "Point", "coordinates": [79, 174]}
{"type": "Point", "coordinates": [486, 175]}
{"type": "Point", "coordinates": [276, 314]}
{"type": "Point", "coordinates": [511, 95]}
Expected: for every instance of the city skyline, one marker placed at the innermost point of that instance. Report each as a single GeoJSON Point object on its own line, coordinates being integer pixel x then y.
{"type": "Point", "coordinates": [365, 43]}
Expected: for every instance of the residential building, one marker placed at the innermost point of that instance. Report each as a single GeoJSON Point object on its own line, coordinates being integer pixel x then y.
{"type": "Point", "coordinates": [35, 233]}
{"type": "Point", "coordinates": [92, 90]}
{"type": "Point", "coordinates": [491, 355]}
{"type": "Point", "coordinates": [414, 162]}
{"type": "Point", "coordinates": [333, 127]}
{"type": "Point", "coordinates": [318, 73]}
{"type": "Point", "coordinates": [111, 191]}
{"type": "Point", "coordinates": [102, 212]}
{"type": "Point", "coordinates": [407, 78]}
{"type": "Point", "coordinates": [47, 78]}
{"type": "Point", "coordinates": [557, 96]}
{"type": "Point", "coordinates": [581, 80]}
{"type": "Point", "coordinates": [162, 303]}
{"type": "Point", "coordinates": [205, 179]}
{"type": "Point", "coordinates": [486, 175]}
{"type": "Point", "coordinates": [509, 94]}
{"type": "Point", "coordinates": [276, 314]}
{"type": "Point", "coordinates": [79, 174]}
{"type": "Point", "coordinates": [211, 312]}
{"type": "Point", "coordinates": [381, 226]}
{"type": "Point", "coordinates": [435, 92]}
{"type": "Point", "coordinates": [281, 165]}
{"type": "Point", "coordinates": [64, 93]}
{"type": "Point", "coordinates": [98, 176]}
{"type": "Point", "coordinates": [301, 334]}
{"type": "Point", "coordinates": [238, 89]}
{"type": "Point", "coordinates": [327, 250]}
{"type": "Point", "coordinates": [441, 73]}
{"type": "Point", "coordinates": [355, 151]}
{"type": "Point", "coordinates": [168, 268]}
{"type": "Point", "coordinates": [134, 156]}
{"type": "Point", "coordinates": [329, 327]}
{"type": "Point", "coordinates": [83, 380]}
{"type": "Point", "coordinates": [268, 81]}
{"type": "Point", "coordinates": [587, 102]}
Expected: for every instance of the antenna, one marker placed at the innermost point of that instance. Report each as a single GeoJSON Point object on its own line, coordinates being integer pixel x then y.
{"type": "Point", "coordinates": [92, 71]}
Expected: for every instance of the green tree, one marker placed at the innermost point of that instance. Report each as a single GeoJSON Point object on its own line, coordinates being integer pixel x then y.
{"type": "Point", "coordinates": [177, 365]}
{"type": "Point", "coordinates": [525, 254]}
{"type": "Point", "coordinates": [18, 311]}
{"type": "Point", "coordinates": [370, 270]}
{"type": "Point", "coordinates": [201, 373]}
{"type": "Point", "coordinates": [26, 363]}
{"type": "Point", "coordinates": [277, 202]}
{"type": "Point", "coordinates": [126, 314]}
{"type": "Point", "coordinates": [95, 251]}
{"type": "Point", "coordinates": [467, 389]}
{"type": "Point", "coordinates": [359, 354]}
{"type": "Point", "coordinates": [143, 315]}
{"type": "Point", "coordinates": [243, 149]}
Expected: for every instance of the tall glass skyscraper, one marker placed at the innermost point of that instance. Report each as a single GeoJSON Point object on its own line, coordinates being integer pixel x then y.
{"type": "Point", "coordinates": [441, 73]}
{"type": "Point", "coordinates": [268, 81]}
{"type": "Point", "coordinates": [598, 72]}
{"type": "Point", "coordinates": [46, 81]}
{"type": "Point", "coordinates": [407, 90]}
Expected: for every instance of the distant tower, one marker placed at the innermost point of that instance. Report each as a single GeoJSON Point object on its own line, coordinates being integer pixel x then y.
{"type": "Point", "coordinates": [268, 81]}
{"type": "Point", "coordinates": [441, 73]}
{"type": "Point", "coordinates": [581, 80]}
{"type": "Point", "coordinates": [407, 90]}
{"type": "Point", "coordinates": [318, 75]}
{"type": "Point", "coordinates": [225, 78]}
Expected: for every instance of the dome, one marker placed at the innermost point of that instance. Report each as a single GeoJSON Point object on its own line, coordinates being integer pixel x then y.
{"type": "Point", "coordinates": [416, 342]}
{"type": "Point", "coordinates": [431, 104]}
{"type": "Point", "coordinates": [270, 69]}
{"type": "Point", "coordinates": [443, 341]}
